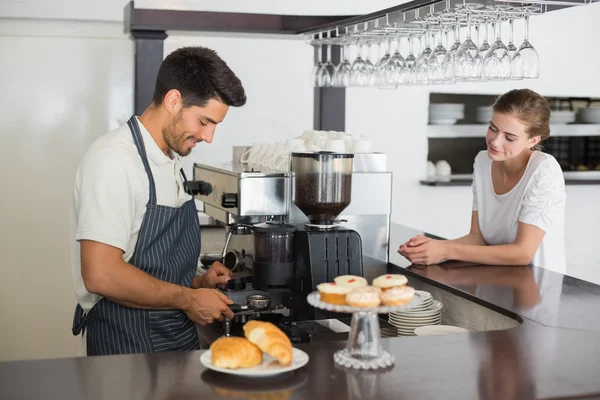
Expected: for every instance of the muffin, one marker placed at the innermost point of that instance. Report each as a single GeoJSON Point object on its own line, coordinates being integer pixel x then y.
{"type": "Point", "coordinates": [351, 281]}
{"type": "Point", "coordinates": [397, 296]}
{"type": "Point", "coordinates": [368, 297]}
{"type": "Point", "coordinates": [385, 282]}
{"type": "Point", "coordinates": [332, 293]}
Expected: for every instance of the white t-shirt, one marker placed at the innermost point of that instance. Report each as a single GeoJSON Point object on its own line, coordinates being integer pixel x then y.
{"type": "Point", "coordinates": [111, 193]}
{"type": "Point", "coordinates": [538, 199]}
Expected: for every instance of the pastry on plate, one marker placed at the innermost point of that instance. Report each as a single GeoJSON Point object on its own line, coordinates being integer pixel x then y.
{"type": "Point", "coordinates": [398, 295]}
{"type": "Point", "coordinates": [350, 281]}
{"type": "Point", "coordinates": [234, 353]}
{"type": "Point", "coordinates": [333, 293]}
{"type": "Point", "coordinates": [364, 297]}
{"type": "Point", "coordinates": [269, 339]}
{"type": "Point", "coordinates": [388, 281]}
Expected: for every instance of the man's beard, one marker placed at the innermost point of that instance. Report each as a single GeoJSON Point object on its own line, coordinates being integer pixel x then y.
{"type": "Point", "coordinates": [176, 138]}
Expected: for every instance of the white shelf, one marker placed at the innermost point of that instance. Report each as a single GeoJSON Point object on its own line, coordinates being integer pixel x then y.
{"type": "Point", "coordinates": [479, 130]}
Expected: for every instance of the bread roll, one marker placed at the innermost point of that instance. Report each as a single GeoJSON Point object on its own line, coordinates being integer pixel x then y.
{"type": "Point", "coordinates": [270, 339]}
{"type": "Point", "coordinates": [235, 352]}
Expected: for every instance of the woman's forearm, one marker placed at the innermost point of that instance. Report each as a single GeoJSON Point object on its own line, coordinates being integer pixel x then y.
{"type": "Point", "coordinates": [506, 254]}
{"type": "Point", "coordinates": [472, 239]}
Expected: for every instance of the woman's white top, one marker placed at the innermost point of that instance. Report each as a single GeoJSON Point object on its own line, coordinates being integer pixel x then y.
{"type": "Point", "coordinates": [537, 199]}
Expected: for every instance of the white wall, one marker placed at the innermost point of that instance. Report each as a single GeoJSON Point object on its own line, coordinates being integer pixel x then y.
{"type": "Point", "coordinates": [65, 83]}
{"type": "Point", "coordinates": [59, 94]}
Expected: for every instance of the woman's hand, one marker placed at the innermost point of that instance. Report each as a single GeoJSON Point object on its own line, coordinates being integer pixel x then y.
{"type": "Point", "coordinates": [423, 250]}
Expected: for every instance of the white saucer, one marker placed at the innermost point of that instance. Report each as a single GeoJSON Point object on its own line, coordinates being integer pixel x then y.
{"type": "Point", "coordinates": [438, 330]}
{"type": "Point", "coordinates": [268, 367]}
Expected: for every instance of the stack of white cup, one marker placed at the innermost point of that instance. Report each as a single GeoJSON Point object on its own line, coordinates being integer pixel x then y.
{"type": "Point", "coordinates": [276, 156]}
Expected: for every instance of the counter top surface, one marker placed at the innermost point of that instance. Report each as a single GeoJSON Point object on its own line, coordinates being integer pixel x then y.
{"type": "Point", "coordinates": [553, 353]}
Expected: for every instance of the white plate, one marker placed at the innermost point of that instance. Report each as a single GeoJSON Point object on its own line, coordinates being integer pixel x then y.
{"type": "Point", "coordinates": [268, 367]}
{"type": "Point", "coordinates": [438, 330]}
{"type": "Point", "coordinates": [415, 320]}
{"type": "Point", "coordinates": [416, 324]}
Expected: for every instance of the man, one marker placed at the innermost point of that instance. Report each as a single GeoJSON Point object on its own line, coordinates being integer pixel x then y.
{"type": "Point", "coordinates": [136, 234]}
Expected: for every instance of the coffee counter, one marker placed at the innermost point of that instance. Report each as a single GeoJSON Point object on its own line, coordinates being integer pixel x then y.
{"type": "Point", "coordinates": [554, 352]}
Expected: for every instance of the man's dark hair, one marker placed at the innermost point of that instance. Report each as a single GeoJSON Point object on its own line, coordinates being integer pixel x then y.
{"type": "Point", "coordinates": [200, 75]}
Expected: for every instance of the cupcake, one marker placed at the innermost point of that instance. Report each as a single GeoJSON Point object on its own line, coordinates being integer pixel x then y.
{"type": "Point", "coordinates": [397, 296]}
{"type": "Point", "coordinates": [385, 282]}
{"type": "Point", "coordinates": [332, 293]}
{"type": "Point", "coordinates": [368, 296]}
{"type": "Point", "coordinates": [351, 281]}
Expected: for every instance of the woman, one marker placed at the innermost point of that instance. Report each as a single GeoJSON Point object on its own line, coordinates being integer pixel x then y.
{"type": "Point", "coordinates": [518, 195]}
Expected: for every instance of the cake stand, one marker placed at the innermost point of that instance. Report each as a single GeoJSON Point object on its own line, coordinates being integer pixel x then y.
{"type": "Point", "coordinates": [363, 349]}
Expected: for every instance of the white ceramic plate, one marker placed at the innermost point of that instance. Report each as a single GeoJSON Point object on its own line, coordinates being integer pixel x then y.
{"type": "Point", "coordinates": [413, 326]}
{"type": "Point", "coordinates": [438, 330]}
{"type": "Point", "coordinates": [268, 367]}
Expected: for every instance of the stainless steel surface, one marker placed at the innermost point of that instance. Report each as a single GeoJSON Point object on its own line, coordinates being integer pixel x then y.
{"type": "Point", "coordinates": [258, 193]}
{"type": "Point", "coordinates": [370, 162]}
{"type": "Point", "coordinates": [258, 301]}
{"type": "Point", "coordinates": [458, 311]}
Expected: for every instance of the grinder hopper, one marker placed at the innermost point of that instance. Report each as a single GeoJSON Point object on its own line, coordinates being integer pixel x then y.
{"type": "Point", "coordinates": [323, 184]}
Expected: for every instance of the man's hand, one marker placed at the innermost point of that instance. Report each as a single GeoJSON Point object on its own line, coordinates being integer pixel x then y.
{"type": "Point", "coordinates": [217, 276]}
{"type": "Point", "coordinates": [207, 305]}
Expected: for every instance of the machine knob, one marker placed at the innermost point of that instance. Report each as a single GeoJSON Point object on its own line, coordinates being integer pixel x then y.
{"type": "Point", "coordinates": [229, 200]}
{"type": "Point", "coordinates": [199, 187]}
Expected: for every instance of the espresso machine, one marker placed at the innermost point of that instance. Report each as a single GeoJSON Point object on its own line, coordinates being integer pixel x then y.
{"type": "Point", "coordinates": [289, 231]}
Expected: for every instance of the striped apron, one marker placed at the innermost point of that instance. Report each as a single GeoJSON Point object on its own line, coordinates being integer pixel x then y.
{"type": "Point", "coordinates": [167, 248]}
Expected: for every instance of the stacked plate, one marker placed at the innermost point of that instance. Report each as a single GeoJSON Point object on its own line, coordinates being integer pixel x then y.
{"type": "Point", "coordinates": [428, 313]}
{"type": "Point", "coordinates": [589, 115]}
{"type": "Point", "coordinates": [562, 117]}
{"type": "Point", "coordinates": [446, 114]}
{"type": "Point", "coordinates": [484, 114]}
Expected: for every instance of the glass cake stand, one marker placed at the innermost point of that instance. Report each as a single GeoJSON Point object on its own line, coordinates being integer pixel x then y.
{"type": "Point", "coordinates": [363, 349]}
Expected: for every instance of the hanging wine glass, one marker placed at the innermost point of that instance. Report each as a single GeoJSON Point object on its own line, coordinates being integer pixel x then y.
{"type": "Point", "coordinates": [512, 49]}
{"type": "Point", "coordinates": [485, 46]}
{"type": "Point", "coordinates": [449, 60]}
{"type": "Point", "coordinates": [466, 56]}
{"type": "Point", "coordinates": [526, 62]}
{"type": "Point", "coordinates": [421, 65]}
{"type": "Point", "coordinates": [411, 77]}
{"type": "Point", "coordinates": [497, 62]}
{"type": "Point", "coordinates": [379, 70]}
{"type": "Point", "coordinates": [315, 72]}
{"type": "Point", "coordinates": [360, 74]}
{"type": "Point", "coordinates": [343, 70]}
{"type": "Point", "coordinates": [395, 69]}
{"type": "Point", "coordinates": [327, 70]}
{"type": "Point", "coordinates": [435, 72]}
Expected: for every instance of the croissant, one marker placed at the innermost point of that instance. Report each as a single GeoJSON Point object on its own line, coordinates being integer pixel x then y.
{"type": "Point", "coordinates": [270, 339]}
{"type": "Point", "coordinates": [235, 352]}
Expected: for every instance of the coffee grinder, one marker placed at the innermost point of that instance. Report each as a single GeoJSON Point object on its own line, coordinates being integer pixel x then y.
{"type": "Point", "coordinates": [324, 249]}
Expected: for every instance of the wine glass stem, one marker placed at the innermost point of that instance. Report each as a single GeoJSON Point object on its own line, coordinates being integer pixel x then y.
{"type": "Point", "coordinates": [320, 54]}
{"type": "Point", "coordinates": [468, 25]}
{"type": "Point", "coordinates": [485, 31]}
{"type": "Point", "coordinates": [498, 25]}
{"type": "Point", "coordinates": [329, 53]}
{"type": "Point", "coordinates": [511, 23]}
{"type": "Point", "coordinates": [527, 27]}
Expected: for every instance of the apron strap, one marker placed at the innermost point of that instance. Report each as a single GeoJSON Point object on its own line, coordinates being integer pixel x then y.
{"type": "Point", "coordinates": [139, 143]}
{"type": "Point", "coordinates": [186, 187]}
{"type": "Point", "coordinates": [79, 321]}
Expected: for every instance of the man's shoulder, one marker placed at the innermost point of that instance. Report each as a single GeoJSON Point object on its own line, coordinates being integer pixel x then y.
{"type": "Point", "coordinates": [112, 148]}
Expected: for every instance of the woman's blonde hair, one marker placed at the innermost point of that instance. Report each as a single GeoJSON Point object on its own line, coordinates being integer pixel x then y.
{"type": "Point", "coordinates": [530, 108]}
